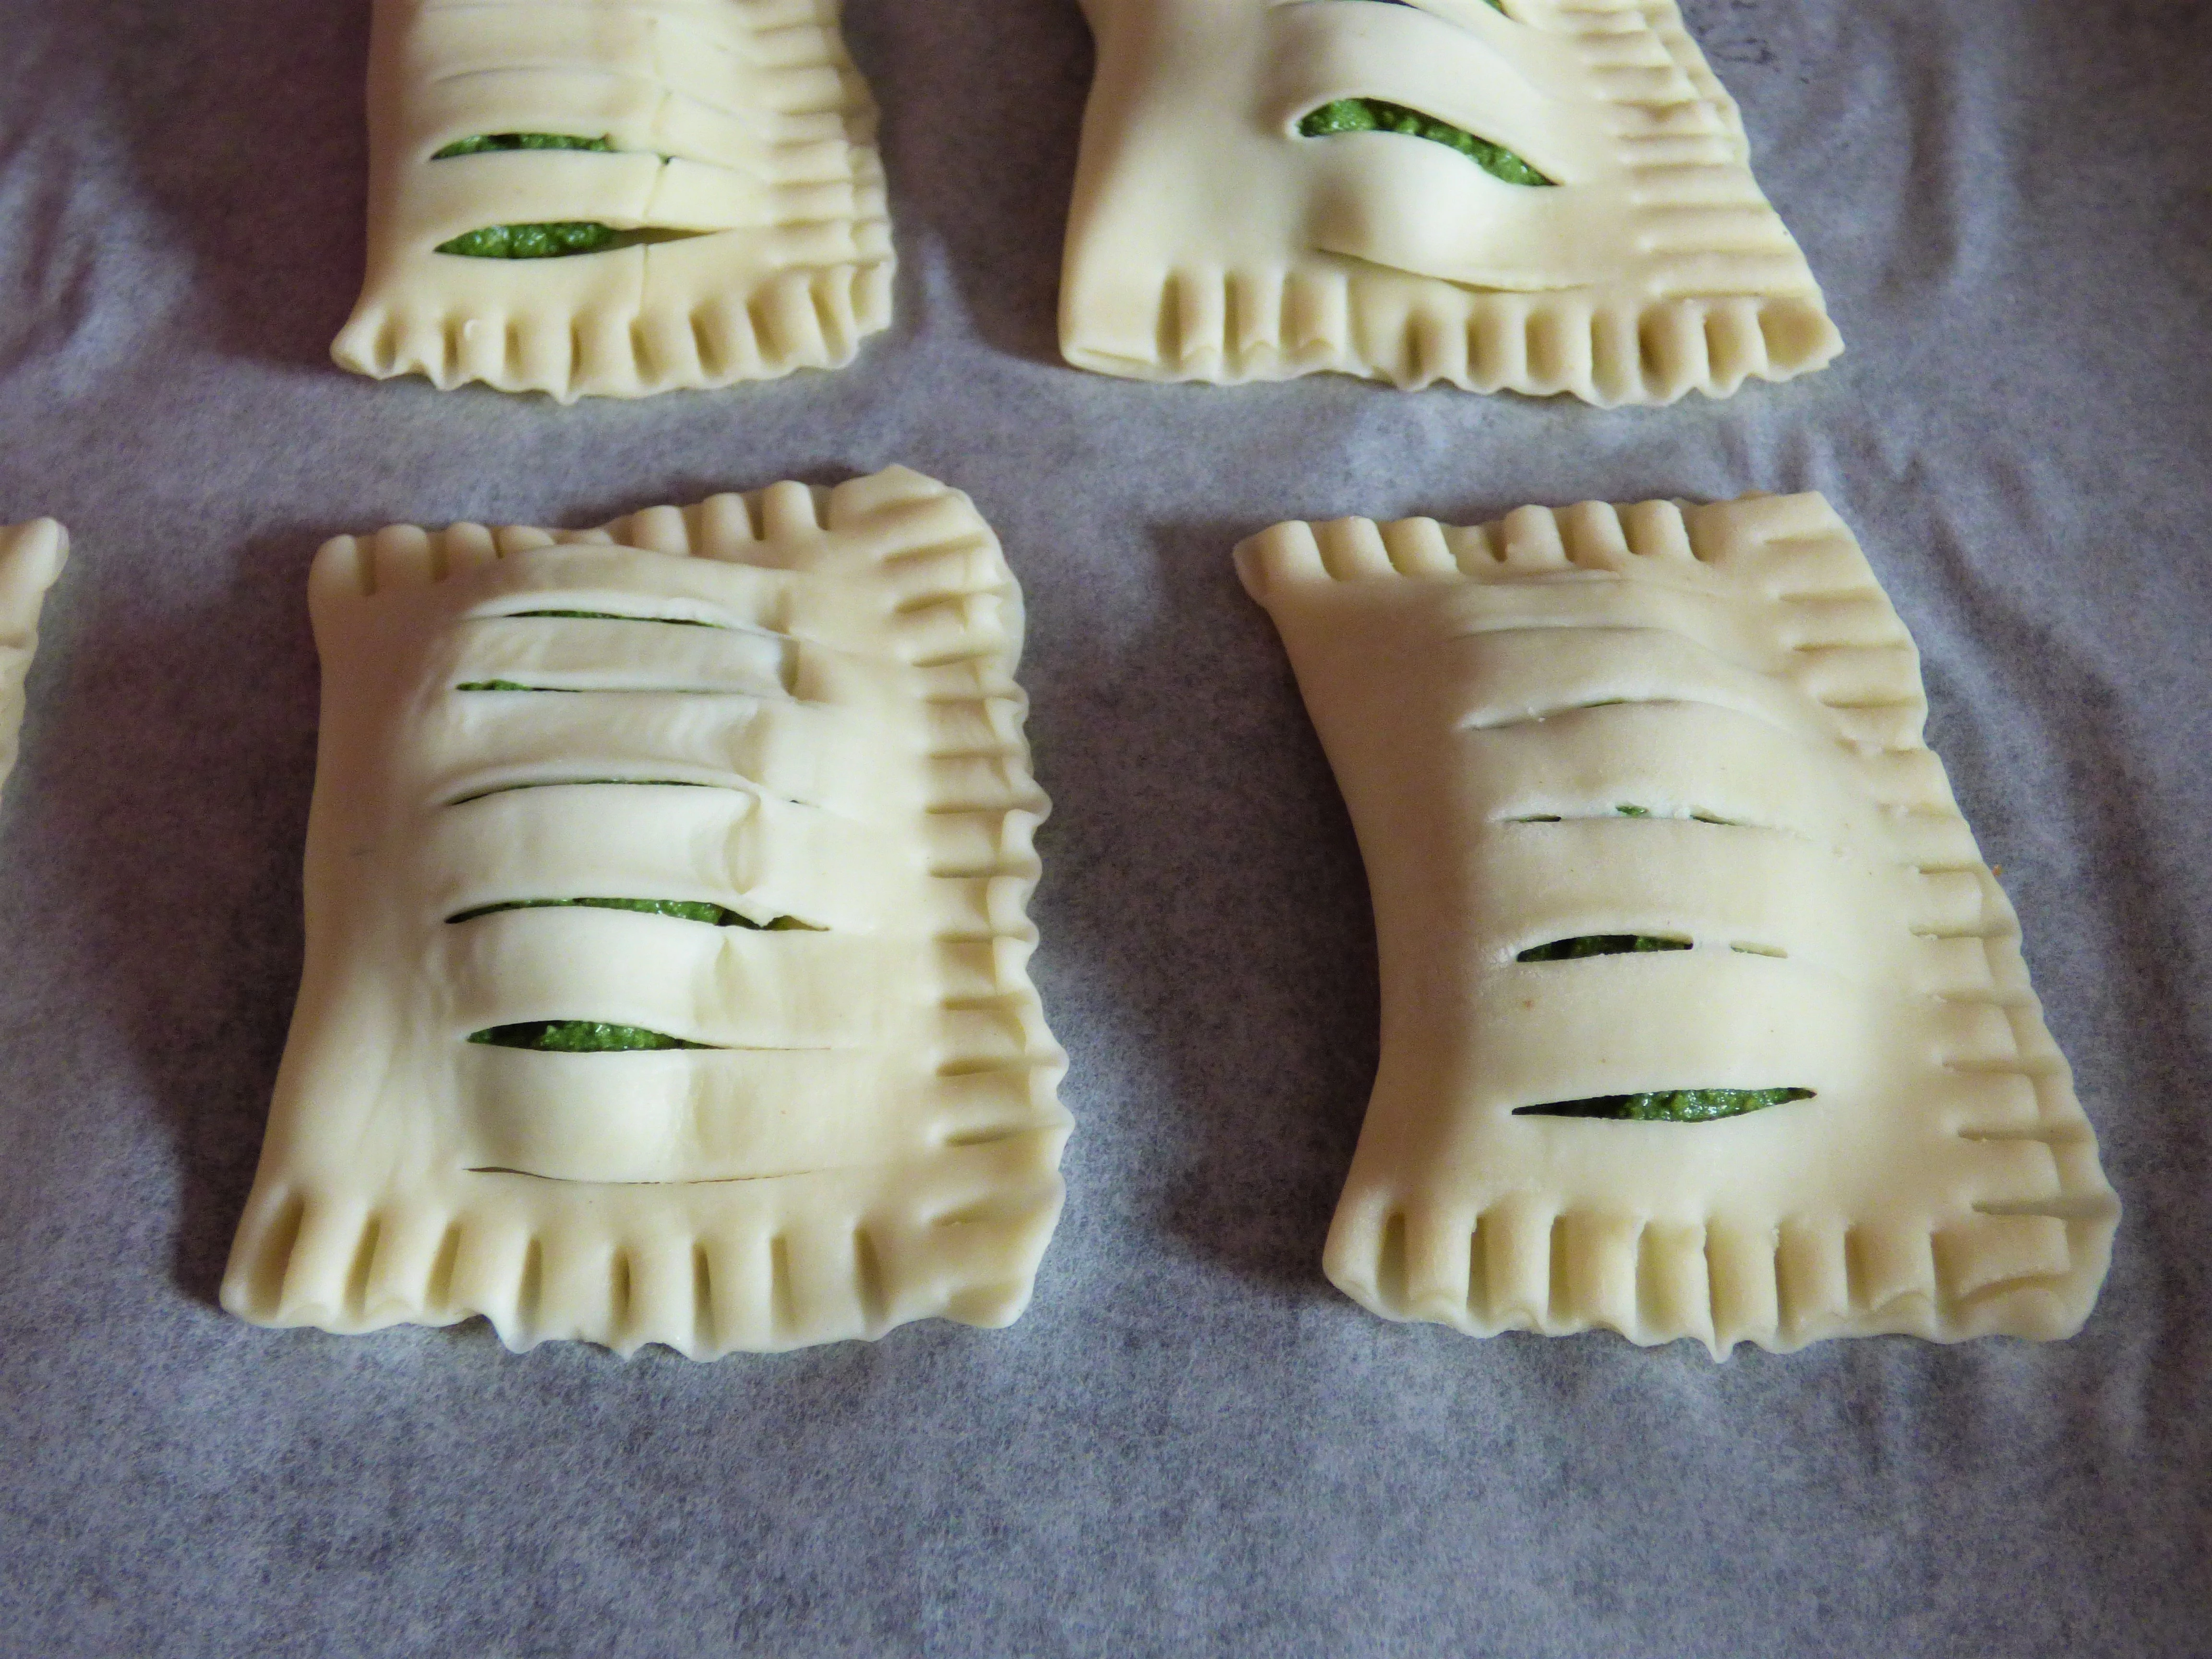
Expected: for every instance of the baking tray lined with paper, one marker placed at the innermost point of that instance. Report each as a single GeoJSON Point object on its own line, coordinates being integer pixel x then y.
{"type": "Point", "coordinates": [1190, 1442]}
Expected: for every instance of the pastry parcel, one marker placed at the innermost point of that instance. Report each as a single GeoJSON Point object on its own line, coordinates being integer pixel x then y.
{"type": "Point", "coordinates": [1528, 195]}
{"type": "Point", "coordinates": [667, 948]}
{"type": "Point", "coordinates": [1702, 1015]}
{"type": "Point", "coordinates": [613, 197]}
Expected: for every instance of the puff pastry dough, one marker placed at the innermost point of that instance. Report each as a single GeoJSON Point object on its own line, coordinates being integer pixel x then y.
{"type": "Point", "coordinates": [31, 558]}
{"type": "Point", "coordinates": [863, 1126]}
{"type": "Point", "coordinates": [1209, 241]}
{"type": "Point", "coordinates": [742, 124]}
{"type": "Point", "coordinates": [1492, 700]}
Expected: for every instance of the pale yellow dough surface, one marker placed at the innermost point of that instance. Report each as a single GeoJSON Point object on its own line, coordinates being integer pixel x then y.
{"type": "Point", "coordinates": [31, 558]}
{"type": "Point", "coordinates": [742, 124]}
{"type": "Point", "coordinates": [1209, 241]}
{"type": "Point", "coordinates": [1489, 699]}
{"type": "Point", "coordinates": [871, 1132]}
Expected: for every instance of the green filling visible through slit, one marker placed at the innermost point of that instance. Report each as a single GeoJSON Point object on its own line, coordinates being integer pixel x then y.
{"type": "Point", "coordinates": [715, 916]}
{"type": "Point", "coordinates": [577, 1036]}
{"type": "Point", "coordinates": [1375, 115]}
{"type": "Point", "coordinates": [557, 240]}
{"type": "Point", "coordinates": [493, 141]}
{"type": "Point", "coordinates": [547, 241]}
{"type": "Point", "coordinates": [1599, 944]}
{"type": "Point", "coordinates": [1669, 1105]}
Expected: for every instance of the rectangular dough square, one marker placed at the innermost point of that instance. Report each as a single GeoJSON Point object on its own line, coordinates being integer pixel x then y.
{"type": "Point", "coordinates": [1645, 808]}
{"type": "Point", "coordinates": [31, 558]}
{"type": "Point", "coordinates": [1212, 239]}
{"type": "Point", "coordinates": [793, 711]}
{"type": "Point", "coordinates": [740, 140]}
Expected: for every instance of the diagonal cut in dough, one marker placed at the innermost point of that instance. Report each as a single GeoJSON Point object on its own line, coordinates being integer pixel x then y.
{"type": "Point", "coordinates": [690, 1003]}
{"type": "Point", "coordinates": [1539, 196]}
{"type": "Point", "coordinates": [697, 181]}
{"type": "Point", "coordinates": [31, 558]}
{"type": "Point", "coordinates": [1696, 723]}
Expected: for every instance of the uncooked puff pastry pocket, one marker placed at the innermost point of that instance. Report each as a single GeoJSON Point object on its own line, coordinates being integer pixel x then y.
{"type": "Point", "coordinates": [1702, 1015]}
{"type": "Point", "coordinates": [31, 558]}
{"type": "Point", "coordinates": [1525, 195]}
{"type": "Point", "coordinates": [667, 971]}
{"type": "Point", "coordinates": [615, 197]}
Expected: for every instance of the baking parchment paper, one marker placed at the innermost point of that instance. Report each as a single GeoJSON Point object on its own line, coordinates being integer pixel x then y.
{"type": "Point", "coordinates": [1191, 1445]}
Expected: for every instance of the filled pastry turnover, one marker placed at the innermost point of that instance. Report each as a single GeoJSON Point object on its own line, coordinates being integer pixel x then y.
{"type": "Point", "coordinates": [667, 947]}
{"type": "Point", "coordinates": [1702, 1015]}
{"type": "Point", "coordinates": [1542, 196]}
{"type": "Point", "coordinates": [31, 558]}
{"type": "Point", "coordinates": [614, 198]}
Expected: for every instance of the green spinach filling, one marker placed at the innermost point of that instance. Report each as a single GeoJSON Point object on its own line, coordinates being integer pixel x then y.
{"type": "Point", "coordinates": [494, 141]}
{"type": "Point", "coordinates": [577, 1036]}
{"type": "Point", "coordinates": [1377, 115]}
{"type": "Point", "coordinates": [558, 239]}
{"type": "Point", "coordinates": [1669, 1105]}
{"type": "Point", "coordinates": [1599, 944]}
{"type": "Point", "coordinates": [547, 241]}
{"type": "Point", "coordinates": [1658, 1106]}
{"type": "Point", "coordinates": [714, 915]}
